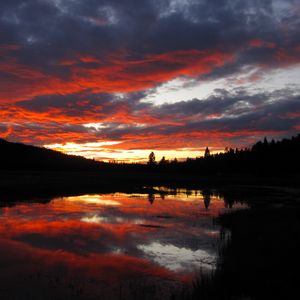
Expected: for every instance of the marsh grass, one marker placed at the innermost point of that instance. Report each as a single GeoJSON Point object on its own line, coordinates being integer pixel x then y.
{"type": "Point", "coordinates": [261, 260]}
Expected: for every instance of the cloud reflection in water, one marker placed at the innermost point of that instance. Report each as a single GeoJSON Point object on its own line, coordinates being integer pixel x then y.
{"type": "Point", "coordinates": [110, 238]}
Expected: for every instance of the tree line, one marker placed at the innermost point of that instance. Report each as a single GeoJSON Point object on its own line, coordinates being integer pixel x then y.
{"type": "Point", "coordinates": [263, 157]}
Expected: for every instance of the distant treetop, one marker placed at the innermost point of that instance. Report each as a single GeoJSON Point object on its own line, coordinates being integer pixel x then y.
{"type": "Point", "coordinates": [152, 160]}
{"type": "Point", "coordinates": [207, 152]}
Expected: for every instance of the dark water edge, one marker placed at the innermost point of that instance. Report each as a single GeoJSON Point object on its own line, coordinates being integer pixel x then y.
{"type": "Point", "coordinates": [30, 184]}
{"type": "Point", "coordinates": [261, 258]}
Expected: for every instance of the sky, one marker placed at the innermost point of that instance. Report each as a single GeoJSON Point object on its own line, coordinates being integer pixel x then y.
{"type": "Point", "coordinates": [117, 79]}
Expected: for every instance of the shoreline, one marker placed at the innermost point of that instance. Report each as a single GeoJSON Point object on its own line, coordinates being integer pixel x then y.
{"type": "Point", "coordinates": [35, 185]}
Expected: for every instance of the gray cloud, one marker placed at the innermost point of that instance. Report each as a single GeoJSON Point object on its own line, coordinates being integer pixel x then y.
{"type": "Point", "coordinates": [53, 30]}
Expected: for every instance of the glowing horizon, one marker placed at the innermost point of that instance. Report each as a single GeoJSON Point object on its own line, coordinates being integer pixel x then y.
{"type": "Point", "coordinates": [94, 151]}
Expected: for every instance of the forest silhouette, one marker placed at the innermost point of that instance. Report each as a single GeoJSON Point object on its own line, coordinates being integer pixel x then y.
{"type": "Point", "coordinates": [265, 157]}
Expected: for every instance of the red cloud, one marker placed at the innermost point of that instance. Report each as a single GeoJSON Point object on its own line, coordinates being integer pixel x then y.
{"type": "Point", "coordinates": [186, 139]}
{"type": "Point", "coordinates": [118, 72]}
{"type": "Point", "coordinates": [115, 73]}
{"type": "Point", "coordinates": [127, 75]}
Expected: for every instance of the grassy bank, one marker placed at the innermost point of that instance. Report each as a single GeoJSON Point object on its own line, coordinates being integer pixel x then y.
{"type": "Point", "coordinates": [261, 259]}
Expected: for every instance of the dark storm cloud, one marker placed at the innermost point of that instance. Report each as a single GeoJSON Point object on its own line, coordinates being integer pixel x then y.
{"type": "Point", "coordinates": [57, 29]}
{"type": "Point", "coordinates": [44, 103]}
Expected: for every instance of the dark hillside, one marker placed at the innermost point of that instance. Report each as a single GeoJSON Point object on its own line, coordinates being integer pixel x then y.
{"type": "Point", "coordinates": [15, 156]}
{"type": "Point", "coordinates": [264, 158]}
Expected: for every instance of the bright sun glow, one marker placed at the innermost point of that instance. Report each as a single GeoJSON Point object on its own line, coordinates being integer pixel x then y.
{"type": "Point", "coordinates": [102, 152]}
{"type": "Point", "coordinates": [93, 199]}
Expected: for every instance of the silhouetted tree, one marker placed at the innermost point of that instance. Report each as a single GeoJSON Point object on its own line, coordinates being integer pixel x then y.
{"type": "Point", "coordinates": [207, 152]}
{"type": "Point", "coordinates": [152, 160]}
{"type": "Point", "coordinates": [163, 161]}
{"type": "Point", "coordinates": [175, 161]}
{"type": "Point", "coordinates": [263, 158]}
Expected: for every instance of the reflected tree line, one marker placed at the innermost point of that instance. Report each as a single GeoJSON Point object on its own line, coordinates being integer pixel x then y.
{"type": "Point", "coordinates": [205, 194]}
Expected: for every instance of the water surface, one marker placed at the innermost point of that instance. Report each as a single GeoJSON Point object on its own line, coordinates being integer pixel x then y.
{"type": "Point", "coordinates": [113, 246]}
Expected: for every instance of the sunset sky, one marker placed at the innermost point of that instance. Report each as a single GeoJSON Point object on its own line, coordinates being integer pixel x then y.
{"type": "Point", "coordinates": [116, 79]}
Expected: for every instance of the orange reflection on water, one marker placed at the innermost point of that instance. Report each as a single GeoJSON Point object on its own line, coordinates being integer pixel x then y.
{"type": "Point", "coordinates": [107, 239]}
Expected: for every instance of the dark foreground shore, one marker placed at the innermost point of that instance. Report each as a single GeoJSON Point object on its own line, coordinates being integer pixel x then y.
{"type": "Point", "coordinates": [259, 256]}
{"type": "Point", "coordinates": [41, 183]}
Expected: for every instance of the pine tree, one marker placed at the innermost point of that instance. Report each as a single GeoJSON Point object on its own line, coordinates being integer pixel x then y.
{"type": "Point", "coordinates": [151, 160]}
{"type": "Point", "coordinates": [207, 152]}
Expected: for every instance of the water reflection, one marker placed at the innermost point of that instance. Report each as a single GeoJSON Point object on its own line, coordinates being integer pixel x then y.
{"type": "Point", "coordinates": [85, 247]}
{"type": "Point", "coordinates": [206, 194]}
{"type": "Point", "coordinates": [177, 258]}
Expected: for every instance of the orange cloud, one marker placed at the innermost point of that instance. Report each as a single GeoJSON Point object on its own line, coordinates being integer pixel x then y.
{"type": "Point", "coordinates": [4, 134]}
{"type": "Point", "coordinates": [47, 123]}
{"type": "Point", "coordinates": [185, 139]}
{"type": "Point", "coordinates": [115, 73]}
{"type": "Point", "coordinates": [25, 82]}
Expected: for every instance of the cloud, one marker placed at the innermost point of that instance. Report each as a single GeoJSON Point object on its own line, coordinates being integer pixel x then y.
{"type": "Point", "coordinates": [66, 64]}
{"type": "Point", "coordinates": [120, 73]}
{"type": "Point", "coordinates": [230, 117]}
{"type": "Point", "coordinates": [107, 46]}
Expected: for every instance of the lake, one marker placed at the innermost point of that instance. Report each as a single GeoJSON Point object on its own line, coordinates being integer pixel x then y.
{"type": "Point", "coordinates": [109, 246]}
